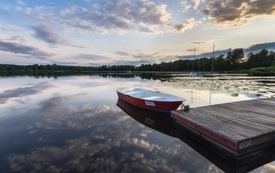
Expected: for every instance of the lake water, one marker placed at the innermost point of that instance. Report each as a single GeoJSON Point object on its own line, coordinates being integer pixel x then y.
{"type": "Point", "coordinates": [73, 123]}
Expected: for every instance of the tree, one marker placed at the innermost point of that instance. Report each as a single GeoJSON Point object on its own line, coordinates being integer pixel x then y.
{"type": "Point", "coordinates": [236, 56]}
{"type": "Point", "coordinates": [35, 67]}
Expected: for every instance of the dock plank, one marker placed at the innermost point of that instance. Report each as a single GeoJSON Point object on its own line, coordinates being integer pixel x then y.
{"type": "Point", "coordinates": [233, 122]}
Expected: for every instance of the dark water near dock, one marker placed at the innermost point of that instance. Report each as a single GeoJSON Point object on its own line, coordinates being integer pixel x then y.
{"type": "Point", "coordinates": [73, 123]}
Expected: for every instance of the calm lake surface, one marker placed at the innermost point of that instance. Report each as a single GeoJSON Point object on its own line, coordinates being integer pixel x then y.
{"type": "Point", "coordinates": [73, 123]}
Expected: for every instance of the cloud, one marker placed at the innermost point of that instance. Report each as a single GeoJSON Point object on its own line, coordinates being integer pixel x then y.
{"type": "Point", "coordinates": [140, 11]}
{"type": "Point", "coordinates": [43, 33]}
{"type": "Point", "coordinates": [260, 7]}
{"type": "Point", "coordinates": [188, 24]}
{"type": "Point", "coordinates": [237, 12]}
{"type": "Point", "coordinates": [124, 58]}
{"type": "Point", "coordinates": [261, 46]}
{"type": "Point", "coordinates": [108, 17]}
{"type": "Point", "coordinates": [22, 49]}
{"type": "Point", "coordinates": [191, 50]}
{"type": "Point", "coordinates": [123, 53]}
{"type": "Point", "coordinates": [207, 54]}
{"type": "Point", "coordinates": [19, 39]}
{"type": "Point", "coordinates": [132, 62]}
{"type": "Point", "coordinates": [20, 2]}
{"type": "Point", "coordinates": [147, 57]}
{"type": "Point", "coordinates": [85, 59]}
{"type": "Point", "coordinates": [92, 57]}
{"type": "Point", "coordinates": [255, 47]}
{"type": "Point", "coordinates": [195, 4]}
{"type": "Point", "coordinates": [141, 57]}
{"type": "Point", "coordinates": [187, 5]}
{"type": "Point", "coordinates": [199, 42]}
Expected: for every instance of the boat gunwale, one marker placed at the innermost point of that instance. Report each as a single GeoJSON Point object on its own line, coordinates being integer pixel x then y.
{"type": "Point", "coordinates": [173, 100]}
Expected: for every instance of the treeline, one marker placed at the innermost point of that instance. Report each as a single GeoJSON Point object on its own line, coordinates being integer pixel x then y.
{"type": "Point", "coordinates": [59, 69]}
{"type": "Point", "coordinates": [234, 61]}
{"type": "Point", "coordinates": [41, 70]}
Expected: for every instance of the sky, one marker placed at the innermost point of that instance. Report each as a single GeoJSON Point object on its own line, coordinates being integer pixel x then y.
{"type": "Point", "coordinates": [131, 32]}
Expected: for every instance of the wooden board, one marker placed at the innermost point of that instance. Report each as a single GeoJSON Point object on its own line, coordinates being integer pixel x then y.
{"type": "Point", "coordinates": [237, 127]}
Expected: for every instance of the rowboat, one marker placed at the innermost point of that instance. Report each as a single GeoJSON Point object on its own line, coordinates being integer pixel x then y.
{"type": "Point", "coordinates": [148, 99]}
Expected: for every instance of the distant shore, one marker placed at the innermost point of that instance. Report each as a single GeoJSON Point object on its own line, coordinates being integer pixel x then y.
{"type": "Point", "coordinates": [258, 64]}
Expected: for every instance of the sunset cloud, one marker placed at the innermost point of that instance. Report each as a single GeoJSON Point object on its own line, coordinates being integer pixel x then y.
{"type": "Point", "coordinates": [237, 12]}
{"type": "Point", "coordinates": [188, 24]}
{"type": "Point", "coordinates": [108, 16]}
{"type": "Point", "coordinates": [119, 32]}
{"type": "Point", "coordinates": [187, 4]}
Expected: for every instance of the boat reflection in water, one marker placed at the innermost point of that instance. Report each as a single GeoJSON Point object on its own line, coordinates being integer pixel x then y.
{"type": "Point", "coordinates": [160, 121]}
{"type": "Point", "coordinates": [163, 122]}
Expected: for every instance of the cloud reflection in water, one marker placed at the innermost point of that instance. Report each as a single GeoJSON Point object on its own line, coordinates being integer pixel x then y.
{"type": "Point", "coordinates": [74, 125]}
{"type": "Point", "coordinates": [98, 139]}
{"type": "Point", "coordinates": [23, 92]}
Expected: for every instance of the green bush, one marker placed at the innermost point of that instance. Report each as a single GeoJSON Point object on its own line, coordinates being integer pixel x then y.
{"type": "Point", "coordinates": [262, 71]}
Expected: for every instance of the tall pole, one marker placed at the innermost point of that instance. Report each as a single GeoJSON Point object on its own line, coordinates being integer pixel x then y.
{"type": "Point", "coordinates": [213, 49]}
{"type": "Point", "coordinates": [212, 68]}
{"type": "Point", "coordinates": [194, 58]}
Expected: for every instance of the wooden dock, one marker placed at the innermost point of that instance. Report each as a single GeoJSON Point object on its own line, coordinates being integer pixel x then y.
{"type": "Point", "coordinates": [238, 128]}
{"type": "Point", "coordinates": [228, 160]}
